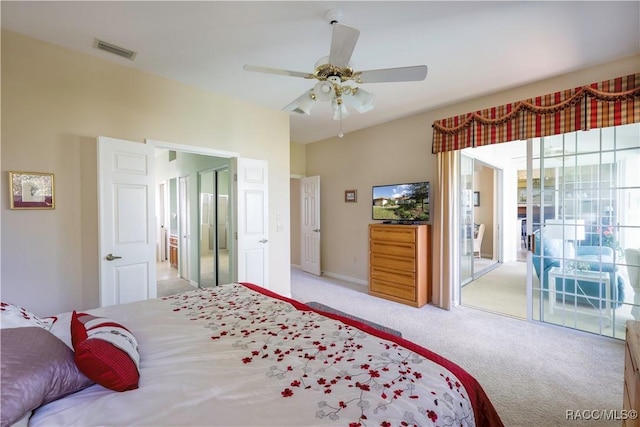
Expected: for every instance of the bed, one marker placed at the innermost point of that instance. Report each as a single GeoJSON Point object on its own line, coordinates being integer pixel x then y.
{"type": "Point", "coordinates": [240, 355]}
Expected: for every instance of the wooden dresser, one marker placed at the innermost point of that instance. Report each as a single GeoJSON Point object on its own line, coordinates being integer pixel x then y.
{"type": "Point", "coordinates": [173, 250]}
{"type": "Point", "coordinates": [631, 391]}
{"type": "Point", "coordinates": [400, 263]}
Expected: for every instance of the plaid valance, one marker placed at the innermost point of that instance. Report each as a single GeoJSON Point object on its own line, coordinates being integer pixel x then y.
{"type": "Point", "coordinates": [609, 103]}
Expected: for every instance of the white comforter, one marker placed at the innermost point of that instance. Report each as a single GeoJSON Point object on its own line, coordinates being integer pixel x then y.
{"type": "Point", "coordinates": [232, 356]}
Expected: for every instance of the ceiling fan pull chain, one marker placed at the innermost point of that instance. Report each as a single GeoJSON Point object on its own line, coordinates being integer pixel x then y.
{"type": "Point", "coordinates": [340, 134]}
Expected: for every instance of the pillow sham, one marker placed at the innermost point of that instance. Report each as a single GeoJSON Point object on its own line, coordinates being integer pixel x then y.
{"type": "Point", "coordinates": [105, 351]}
{"type": "Point", "coordinates": [61, 328]}
{"type": "Point", "coordinates": [36, 368]}
{"type": "Point", "coordinates": [14, 316]}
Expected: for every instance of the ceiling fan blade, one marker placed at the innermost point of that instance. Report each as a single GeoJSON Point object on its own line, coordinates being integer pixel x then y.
{"type": "Point", "coordinates": [343, 41]}
{"type": "Point", "coordinates": [402, 74]}
{"type": "Point", "coordinates": [278, 71]}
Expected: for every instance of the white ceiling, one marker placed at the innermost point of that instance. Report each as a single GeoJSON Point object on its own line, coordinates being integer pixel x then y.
{"type": "Point", "coordinates": [471, 48]}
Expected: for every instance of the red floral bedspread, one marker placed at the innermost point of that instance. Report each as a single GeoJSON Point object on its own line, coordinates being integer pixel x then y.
{"type": "Point", "coordinates": [355, 375]}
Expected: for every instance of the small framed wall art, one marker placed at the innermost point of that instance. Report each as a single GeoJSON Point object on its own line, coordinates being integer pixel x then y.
{"type": "Point", "coordinates": [31, 190]}
{"type": "Point", "coordinates": [351, 196]}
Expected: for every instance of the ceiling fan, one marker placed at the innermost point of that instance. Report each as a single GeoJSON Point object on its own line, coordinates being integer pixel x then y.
{"type": "Point", "coordinates": [333, 71]}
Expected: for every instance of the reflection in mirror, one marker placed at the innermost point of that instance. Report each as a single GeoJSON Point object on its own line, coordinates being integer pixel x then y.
{"type": "Point", "coordinates": [222, 180]}
{"type": "Point", "coordinates": [214, 227]}
{"type": "Point", "coordinates": [207, 228]}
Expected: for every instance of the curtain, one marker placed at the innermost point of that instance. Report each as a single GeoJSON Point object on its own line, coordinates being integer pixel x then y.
{"type": "Point", "coordinates": [445, 230]}
{"type": "Point", "coordinates": [455, 133]}
{"type": "Point", "coordinates": [497, 124]}
{"type": "Point", "coordinates": [612, 102]}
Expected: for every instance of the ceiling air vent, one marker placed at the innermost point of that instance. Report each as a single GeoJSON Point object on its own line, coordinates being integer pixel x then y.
{"type": "Point", "coordinates": [116, 50]}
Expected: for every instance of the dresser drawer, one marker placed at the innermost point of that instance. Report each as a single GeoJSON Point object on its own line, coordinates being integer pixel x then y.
{"type": "Point", "coordinates": [399, 260]}
{"type": "Point", "coordinates": [392, 248]}
{"type": "Point", "coordinates": [393, 234]}
{"type": "Point", "coordinates": [393, 289]}
{"type": "Point", "coordinates": [393, 276]}
{"type": "Point", "coordinates": [394, 263]}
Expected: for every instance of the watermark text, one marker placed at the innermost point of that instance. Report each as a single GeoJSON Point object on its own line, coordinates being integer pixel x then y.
{"type": "Point", "coordinates": [601, 414]}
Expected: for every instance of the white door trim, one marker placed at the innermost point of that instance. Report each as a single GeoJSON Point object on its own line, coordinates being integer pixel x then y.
{"type": "Point", "coordinates": [184, 227]}
{"type": "Point", "coordinates": [193, 149]}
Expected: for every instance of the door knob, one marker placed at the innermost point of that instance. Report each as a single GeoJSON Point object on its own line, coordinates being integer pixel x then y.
{"type": "Point", "coordinates": [317, 230]}
{"type": "Point", "coordinates": [111, 257]}
{"type": "Point", "coordinates": [263, 241]}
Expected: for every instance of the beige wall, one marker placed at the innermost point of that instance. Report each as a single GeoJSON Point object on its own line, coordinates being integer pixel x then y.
{"type": "Point", "coordinates": [400, 151]}
{"type": "Point", "coordinates": [295, 221]}
{"type": "Point", "coordinates": [298, 169]}
{"type": "Point", "coordinates": [393, 153]}
{"type": "Point", "coordinates": [298, 159]}
{"type": "Point", "coordinates": [483, 214]}
{"type": "Point", "coordinates": [54, 104]}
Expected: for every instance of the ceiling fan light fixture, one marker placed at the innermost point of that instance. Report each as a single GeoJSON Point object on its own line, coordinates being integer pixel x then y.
{"type": "Point", "coordinates": [302, 104]}
{"type": "Point", "coordinates": [339, 109]}
{"type": "Point", "coordinates": [324, 91]}
{"type": "Point", "coordinates": [360, 100]}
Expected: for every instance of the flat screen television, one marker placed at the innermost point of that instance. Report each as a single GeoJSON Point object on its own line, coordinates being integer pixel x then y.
{"type": "Point", "coordinates": [401, 203]}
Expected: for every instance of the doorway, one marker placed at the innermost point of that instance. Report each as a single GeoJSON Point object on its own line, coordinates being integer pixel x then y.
{"type": "Point", "coordinates": [480, 217]}
{"type": "Point", "coordinates": [138, 214]}
{"type": "Point", "coordinates": [188, 210]}
{"type": "Point", "coordinates": [491, 279]}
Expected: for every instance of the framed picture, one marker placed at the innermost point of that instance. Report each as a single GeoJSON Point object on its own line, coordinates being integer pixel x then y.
{"type": "Point", "coordinates": [351, 196]}
{"type": "Point", "coordinates": [31, 190]}
{"type": "Point", "coordinates": [476, 198]}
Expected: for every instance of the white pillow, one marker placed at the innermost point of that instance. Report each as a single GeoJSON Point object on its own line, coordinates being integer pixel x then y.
{"type": "Point", "coordinates": [14, 316]}
{"type": "Point", "coordinates": [61, 328]}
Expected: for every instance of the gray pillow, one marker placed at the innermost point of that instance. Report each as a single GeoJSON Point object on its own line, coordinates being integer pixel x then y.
{"type": "Point", "coordinates": [36, 368]}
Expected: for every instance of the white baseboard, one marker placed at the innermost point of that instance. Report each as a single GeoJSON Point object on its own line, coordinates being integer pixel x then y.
{"type": "Point", "coordinates": [193, 283]}
{"type": "Point", "coordinates": [345, 278]}
{"type": "Point", "coordinates": [296, 266]}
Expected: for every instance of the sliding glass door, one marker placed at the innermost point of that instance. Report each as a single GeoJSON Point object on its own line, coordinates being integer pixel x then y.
{"type": "Point", "coordinates": [585, 213]}
{"type": "Point", "coordinates": [571, 210]}
{"type": "Point", "coordinates": [466, 219]}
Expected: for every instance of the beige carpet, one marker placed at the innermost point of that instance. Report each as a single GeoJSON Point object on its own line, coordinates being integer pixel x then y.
{"type": "Point", "coordinates": [173, 286]}
{"type": "Point", "coordinates": [503, 291]}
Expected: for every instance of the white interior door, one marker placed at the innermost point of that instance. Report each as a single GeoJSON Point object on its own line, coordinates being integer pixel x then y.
{"type": "Point", "coordinates": [161, 226]}
{"type": "Point", "coordinates": [253, 221]}
{"type": "Point", "coordinates": [185, 227]}
{"type": "Point", "coordinates": [126, 221]}
{"type": "Point", "coordinates": [310, 224]}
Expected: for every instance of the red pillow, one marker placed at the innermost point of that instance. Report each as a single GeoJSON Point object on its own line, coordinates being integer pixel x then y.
{"type": "Point", "coordinates": [105, 351]}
